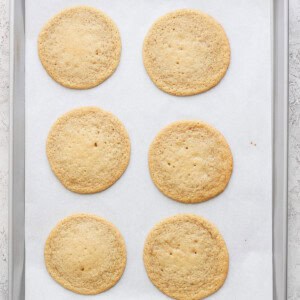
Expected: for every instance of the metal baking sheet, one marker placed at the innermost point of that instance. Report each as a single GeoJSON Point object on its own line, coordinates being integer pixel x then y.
{"type": "Point", "coordinates": [244, 106]}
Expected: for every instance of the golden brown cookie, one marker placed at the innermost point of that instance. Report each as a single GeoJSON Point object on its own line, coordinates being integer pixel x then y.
{"type": "Point", "coordinates": [80, 47]}
{"type": "Point", "coordinates": [190, 161]}
{"type": "Point", "coordinates": [85, 254]}
{"type": "Point", "coordinates": [186, 52]}
{"type": "Point", "coordinates": [186, 257]}
{"type": "Point", "coordinates": [88, 149]}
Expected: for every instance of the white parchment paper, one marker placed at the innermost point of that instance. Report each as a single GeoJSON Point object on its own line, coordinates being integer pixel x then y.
{"type": "Point", "coordinates": [240, 107]}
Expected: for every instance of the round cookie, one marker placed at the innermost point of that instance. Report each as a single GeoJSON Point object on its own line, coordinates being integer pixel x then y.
{"type": "Point", "coordinates": [190, 161]}
{"type": "Point", "coordinates": [186, 52]}
{"type": "Point", "coordinates": [88, 149]}
{"type": "Point", "coordinates": [186, 257]}
{"type": "Point", "coordinates": [80, 47]}
{"type": "Point", "coordinates": [85, 254]}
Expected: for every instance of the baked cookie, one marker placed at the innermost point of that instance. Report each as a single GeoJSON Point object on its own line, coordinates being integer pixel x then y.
{"type": "Point", "coordinates": [88, 149]}
{"type": "Point", "coordinates": [186, 257]}
{"type": "Point", "coordinates": [186, 52]}
{"type": "Point", "coordinates": [80, 47]}
{"type": "Point", "coordinates": [85, 254]}
{"type": "Point", "coordinates": [190, 161]}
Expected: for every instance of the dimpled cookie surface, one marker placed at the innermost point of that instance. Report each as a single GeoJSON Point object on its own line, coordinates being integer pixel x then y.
{"type": "Point", "coordinates": [186, 52]}
{"type": "Point", "coordinates": [80, 47]}
{"type": "Point", "coordinates": [190, 161]}
{"type": "Point", "coordinates": [186, 257]}
{"type": "Point", "coordinates": [88, 149]}
{"type": "Point", "coordinates": [85, 254]}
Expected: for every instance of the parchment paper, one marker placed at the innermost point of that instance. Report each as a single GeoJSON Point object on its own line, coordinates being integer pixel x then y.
{"type": "Point", "coordinates": [240, 107]}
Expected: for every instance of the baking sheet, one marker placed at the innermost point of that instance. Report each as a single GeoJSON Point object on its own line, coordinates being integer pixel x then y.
{"type": "Point", "coordinates": [240, 107]}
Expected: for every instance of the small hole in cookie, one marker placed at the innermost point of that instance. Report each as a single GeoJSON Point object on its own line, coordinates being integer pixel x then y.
{"type": "Point", "coordinates": [171, 253]}
{"type": "Point", "coordinates": [186, 148]}
{"type": "Point", "coordinates": [162, 270]}
{"type": "Point", "coordinates": [195, 241]}
{"type": "Point", "coordinates": [82, 269]}
{"type": "Point", "coordinates": [177, 62]}
{"type": "Point", "coordinates": [195, 252]}
{"type": "Point", "coordinates": [97, 52]}
{"type": "Point", "coordinates": [169, 164]}
{"type": "Point", "coordinates": [96, 145]}
{"type": "Point", "coordinates": [195, 165]}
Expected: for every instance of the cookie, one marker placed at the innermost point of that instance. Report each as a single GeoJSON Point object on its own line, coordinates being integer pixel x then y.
{"type": "Point", "coordinates": [186, 52]}
{"type": "Point", "coordinates": [88, 149]}
{"type": "Point", "coordinates": [190, 161]}
{"type": "Point", "coordinates": [186, 257]}
{"type": "Point", "coordinates": [85, 254]}
{"type": "Point", "coordinates": [80, 47]}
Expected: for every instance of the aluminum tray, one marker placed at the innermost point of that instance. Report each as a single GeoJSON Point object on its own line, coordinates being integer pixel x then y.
{"type": "Point", "coordinates": [17, 149]}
